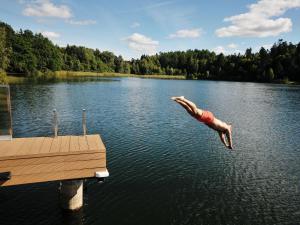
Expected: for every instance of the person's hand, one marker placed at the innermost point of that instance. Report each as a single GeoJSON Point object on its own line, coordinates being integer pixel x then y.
{"type": "Point", "coordinates": [223, 140]}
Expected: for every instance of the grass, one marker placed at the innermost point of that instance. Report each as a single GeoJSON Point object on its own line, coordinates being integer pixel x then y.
{"type": "Point", "coordinates": [285, 81]}
{"type": "Point", "coordinates": [80, 76]}
{"type": "Point", "coordinates": [16, 80]}
{"type": "Point", "coordinates": [66, 74]}
{"type": "Point", "coordinates": [71, 75]}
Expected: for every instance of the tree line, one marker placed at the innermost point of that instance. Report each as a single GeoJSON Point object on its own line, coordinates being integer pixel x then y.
{"type": "Point", "coordinates": [33, 54]}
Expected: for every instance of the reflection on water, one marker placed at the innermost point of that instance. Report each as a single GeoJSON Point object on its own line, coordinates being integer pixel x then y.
{"type": "Point", "coordinates": [87, 79]}
{"type": "Point", "coordinates": [166, 168]}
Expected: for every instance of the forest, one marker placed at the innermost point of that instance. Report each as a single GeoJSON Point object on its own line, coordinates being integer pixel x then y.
{"type": "Point", "coordinates": [33, 55]}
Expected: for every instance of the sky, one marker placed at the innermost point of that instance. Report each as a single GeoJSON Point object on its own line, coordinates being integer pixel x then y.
{"type": "Point", "coordinates": [131, 28]}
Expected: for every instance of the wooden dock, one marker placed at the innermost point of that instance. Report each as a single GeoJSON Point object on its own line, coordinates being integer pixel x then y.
{"type": "Point", "coordinates": [42, 159]}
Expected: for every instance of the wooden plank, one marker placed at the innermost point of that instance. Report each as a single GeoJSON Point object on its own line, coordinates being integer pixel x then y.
{"type": "Point", "coordinates": [55, 146]}
{"type": "Point", "coordinates": [43, 145]}
{"type": "Point", "coordinates": [83, 145]}
{"type": "Point", "coordinates": [26, 147]}
{"type": "Point", "coordinates": [35, 149]}
{"type": "Point", "coordinates": [42, 159]}
{"type": "Point", "coordinates": [91, 142]}
{"type": "Point", "coordinates": [95, 143]}
{"type": "Point", "coordinates": [15, 146]}
{"type": "Point", "coordinates": [51, 159]}
{"type": "Point", "coordinates": [102, 145]}
{"type": "Point", "coordinates": [4, 148]}
{"type": "Point", "coordinates": [46, 146]}
{"type": "Point", "coordinates": [65, 143]}
{"type": "Point", "coordinates": [54, 167]}
{"type": "Point", "coordinates": [45, 155]}
{"type": "Point", "coordinates": [44, 177]}
{"type": "Point", "coordinates": [74, 144]}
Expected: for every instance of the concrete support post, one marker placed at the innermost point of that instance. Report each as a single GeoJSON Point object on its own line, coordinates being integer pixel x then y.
{"type": "Point", "coordinates": [71, 194]}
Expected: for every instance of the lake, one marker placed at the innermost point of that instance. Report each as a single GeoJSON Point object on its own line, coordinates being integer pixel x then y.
{"type": "Point", "coordinates": [165, 167]}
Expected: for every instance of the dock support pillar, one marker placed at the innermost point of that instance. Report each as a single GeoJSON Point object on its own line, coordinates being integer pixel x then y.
{"type": "Point", "coordinates": [71, 194]}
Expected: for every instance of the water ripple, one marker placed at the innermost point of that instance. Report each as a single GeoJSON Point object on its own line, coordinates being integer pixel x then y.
{"type": "Point", "coordinates": [165, 167]}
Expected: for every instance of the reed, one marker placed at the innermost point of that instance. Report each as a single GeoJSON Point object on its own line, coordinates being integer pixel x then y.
{"type": "Point", "coordinates": [50, 76]}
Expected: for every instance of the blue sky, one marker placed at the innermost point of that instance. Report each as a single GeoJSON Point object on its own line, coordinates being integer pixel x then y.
{"type": "Point", "coordinates": [134, 27]}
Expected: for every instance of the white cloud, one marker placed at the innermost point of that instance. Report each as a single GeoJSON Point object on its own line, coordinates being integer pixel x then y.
{"type": "Point", "coordinates": [135, 25]}
{"type": "Point", "coordinates": [219, 50]}
{"type": "Point", "coordinates": [45, 8]}
{"type": "Point", "coordinates": [259, 21]}
{"type": "Point", "coordinates": [227, 50]}
{"type": "Point", "coordinates": [232, 46]}
{"type": "Point", "coordinates": [50, 34]}
{"type": "Point", "coordinates": [265, 46]}
{"type": "Point", "coordinates": [142, 44]}
{"type": "Point", "coordinates": [82, 22]}
{"type": "Point", "coordinates": [186, 33]}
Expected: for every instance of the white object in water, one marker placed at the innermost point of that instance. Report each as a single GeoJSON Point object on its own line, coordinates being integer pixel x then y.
{"type": "Point", "coordinates": [100, 174]}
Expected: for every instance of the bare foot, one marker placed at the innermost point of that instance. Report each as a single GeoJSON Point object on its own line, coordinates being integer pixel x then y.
{"type": "Point", "coordinates": [178, 97]}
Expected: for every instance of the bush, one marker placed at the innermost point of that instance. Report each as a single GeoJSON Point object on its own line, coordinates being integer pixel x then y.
{"type": "Point", "coordinates": [3, 77]}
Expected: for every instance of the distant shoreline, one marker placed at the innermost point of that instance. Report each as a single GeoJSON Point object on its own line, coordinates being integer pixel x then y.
{"type": "Point", "coordinates": [14, 78]}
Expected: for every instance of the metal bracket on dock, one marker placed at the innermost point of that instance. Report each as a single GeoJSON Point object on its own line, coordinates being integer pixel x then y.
{"type": "Point", "coordinates": [55, 124]}
{"type": "Point", "coordinates": [101, 175]}
{"type": "Point", "coordinates": [84, 121]}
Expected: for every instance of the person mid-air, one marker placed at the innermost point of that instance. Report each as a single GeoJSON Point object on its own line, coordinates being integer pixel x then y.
{"type": "Point", "coordinates": [208, 118]}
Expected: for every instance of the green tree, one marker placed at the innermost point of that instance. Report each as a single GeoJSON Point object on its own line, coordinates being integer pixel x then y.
{"type": "Point", "coordinates": [269, 74]}
{"type": "Point", "coordinates": [5, 51]}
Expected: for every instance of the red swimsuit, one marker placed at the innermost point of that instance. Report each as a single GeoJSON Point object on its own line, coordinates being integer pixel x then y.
{"type": "Point", "coordinates": [207, 117]}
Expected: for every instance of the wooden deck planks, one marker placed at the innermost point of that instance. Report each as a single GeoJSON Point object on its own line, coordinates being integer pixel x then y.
{"type": "Point", "coordinates": [46, 146]}
{"type": "Point", "coordinates": [83, 145]}
{"type": "Point", "coordinates": [14, 147]}
{"type": "Point", "coordinates": [45, 177]}
{"type": "Point", "coordinates": [95, 143]}
{"type": "Point", "coordinates": [65, 144]}
{"type": "Point", "coordinates": [55, 146]}
{"type": "Point", "coordinates": [74, 144]}
{"type": "Point", "coordinates": [41, 159]}
{"type": "Point", "coordinates": [26, 147]}
{"type": "Point", "coordinates": [50, 159]}
{"type": "Point", "coordinates": [37, 145]}
{"type": "Point", "coordinates": [4, 147]}
{"type": "Point", "coordinates": [54, 167]}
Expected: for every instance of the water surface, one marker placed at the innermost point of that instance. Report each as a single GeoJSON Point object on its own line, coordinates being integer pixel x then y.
{"type": "Point", "coordinates": [165, 167]}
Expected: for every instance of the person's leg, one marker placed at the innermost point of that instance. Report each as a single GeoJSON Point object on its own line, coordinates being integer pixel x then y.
{"type": "Point", "coordinates": [191, 104]}
{"type": "Point", "coordinates": [185, 106]}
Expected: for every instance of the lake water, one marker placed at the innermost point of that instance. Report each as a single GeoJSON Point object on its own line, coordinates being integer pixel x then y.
{"type": "Point", "coordinates": [165, 167]}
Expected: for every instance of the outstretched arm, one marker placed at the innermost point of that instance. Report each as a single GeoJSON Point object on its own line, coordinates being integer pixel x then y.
{"type": "Point", "coordinates": [222, 137]}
